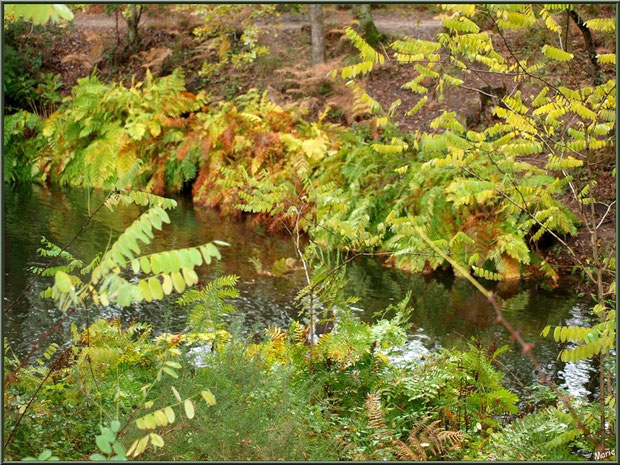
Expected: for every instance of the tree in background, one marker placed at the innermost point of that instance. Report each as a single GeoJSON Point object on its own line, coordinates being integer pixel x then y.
{"type": "Point", "coordinates": [133, 21]}
{"type": "Point", "coordinates": [317, 27]}
{"type": "Point", "coordinates": [369, 31]}
{"type": "Point", "coordinates": [132, 14]}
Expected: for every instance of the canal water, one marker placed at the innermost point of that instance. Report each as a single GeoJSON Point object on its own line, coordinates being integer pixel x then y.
{"type": "Point", "coordinates": [447, 312]}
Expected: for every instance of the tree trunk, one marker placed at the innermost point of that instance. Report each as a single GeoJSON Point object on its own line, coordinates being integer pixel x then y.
{"type": "Point", "coordinates": [367, 26]}
{"type": "Point", "coordinates": [133, 38]}
{"type": "Point", "coordinates": [318, 34]}
{"type": "Point", "coordinates": [597, 75]}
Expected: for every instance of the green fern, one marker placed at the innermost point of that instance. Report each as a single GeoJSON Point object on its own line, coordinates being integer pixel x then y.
{"type": "Point", "coordinates": [208, 309]}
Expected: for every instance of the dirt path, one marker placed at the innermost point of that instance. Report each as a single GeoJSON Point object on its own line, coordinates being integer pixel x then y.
{"type": "Point", "coordinates": [98, 21]}
{"type": "Point", "coordinates": [420, 29]}
{"type": "Point", "coordinates": [423, 28]}
{"type": "Point", "coordinates": [102, 22]}
{"type": "Point", "coordinates": [420, 26]}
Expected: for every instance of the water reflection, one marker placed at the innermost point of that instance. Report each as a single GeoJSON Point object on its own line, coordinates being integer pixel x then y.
{"type": "Point", "coordinates": [447, 313]}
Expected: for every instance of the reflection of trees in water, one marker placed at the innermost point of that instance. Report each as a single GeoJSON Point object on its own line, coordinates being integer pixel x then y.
{"type": "Point", "coordinates": [450, 312]}
{"type": "Point", "coordinates": [444, 305]}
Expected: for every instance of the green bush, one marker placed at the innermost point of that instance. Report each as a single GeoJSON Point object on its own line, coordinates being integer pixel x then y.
{"type": "Point", "coordinates": [23, 147]}
{"type": "Point", "coordinates": [261, 414]}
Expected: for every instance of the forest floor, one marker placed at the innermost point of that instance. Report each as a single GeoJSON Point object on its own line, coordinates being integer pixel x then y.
{"type": "Point", "coordinates": [286, 72]}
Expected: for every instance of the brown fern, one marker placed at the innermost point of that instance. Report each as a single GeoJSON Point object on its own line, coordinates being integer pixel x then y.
{"type": "Point", "coordinates": [427, 440]}
{"type": "Point", "coordinates": [360, 108]}
{"type": "Point", "coordinates": [380, 431]}
{"type": "Point", "coordinates": [154, 58]}
{"type": "Point", "coordinates": [90, 58]}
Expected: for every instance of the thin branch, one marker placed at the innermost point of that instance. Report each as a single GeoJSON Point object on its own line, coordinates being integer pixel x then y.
{"type": "Point", "coordinates": [605, 215]}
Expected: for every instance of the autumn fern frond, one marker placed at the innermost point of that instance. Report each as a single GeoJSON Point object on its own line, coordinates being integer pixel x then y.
{"type": "Point", "coordinates": [427, 440]}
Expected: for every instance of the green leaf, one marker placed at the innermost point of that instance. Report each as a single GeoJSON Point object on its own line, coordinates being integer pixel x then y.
{"type": "Point", "coordinates": [145, 265]}
{"type": "Point", "coordinates": [156, 264]}
{"type": "Point", "coordinates": [171, 372]}
{"type": "Point", "coordinates": [211, 251]}
{"type": "Point", "coordinates": [190, 276]}
{"type": "Point", "coordinates": [195, 257]}
{"type": "Point", "coordinates": [157, 440]}
{"type": "Point", "coordinates": [125, 295]}
{"type": "Point", "coordinates": [46, 454]}
{"type": "Point", "coordinates": [156, 222]}
{"type": "Point", "coordinates": [175, 262]}
{"type": "Point", "coordinates": [40, 14]}
{"type": "Point", "coordinates": [115, 425]}
{"type": "Point", "coordinates": [103, 445]}
{"type": "Point", "coordinates": [169, 414]}
{"type": "Point", "coordinates": [149, 421]}
{"type": "Point", "coordinates": [108, 435]}
{"type": "Point", "coordinates": [145, 291]}
{"type": "Point", "coordinates": [167, 284]}
{"type": "Point", "coordinates": [176, 393]}
{"type": "Point", "coordinates": [206, 254]}
{"type": "Point", "coordinates": [556, 53]}
{"type": "Point", "coordinates": [161, 417]}
{"type": "Point", "coordinates": [94, 457]}
{"type": "Point", "coordinates": [156, 290]}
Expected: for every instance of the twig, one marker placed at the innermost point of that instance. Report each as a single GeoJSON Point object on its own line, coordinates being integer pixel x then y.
{"type": "Point", "coordinates": [605, 215]}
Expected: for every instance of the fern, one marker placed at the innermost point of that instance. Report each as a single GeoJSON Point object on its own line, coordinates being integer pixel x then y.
{"type": "Point", "coordinates": [427, 440]}
{"type": "Point", "coordinates": [541, 436]}
{"type": "Point", "coordinates": [381, 436]}
{"type": "Point", "coordinates": [207, 304]}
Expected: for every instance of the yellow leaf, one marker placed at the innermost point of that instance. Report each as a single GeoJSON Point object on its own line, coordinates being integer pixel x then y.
{"type": "Point", "coordinates": [189, 408]}
{"type": "Point", "coordinates": [176, 393]}
{"type": "Point", "coordinates": [208, 397]}
{"type": "Point", "coordinates": [169, 414]}
{"type": "Point", "coordinates": [556, 53]}
{"type": "Point", "coordinates": [161, 417]}
{"type": "Point", "coordinates": [157, 440]}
